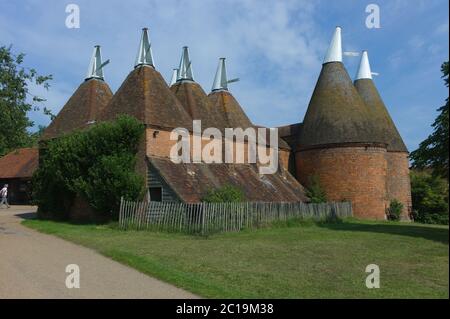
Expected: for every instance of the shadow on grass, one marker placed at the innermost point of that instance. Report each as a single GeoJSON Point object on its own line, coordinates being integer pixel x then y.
{"type": "Point", "coordinates": [419, 231]}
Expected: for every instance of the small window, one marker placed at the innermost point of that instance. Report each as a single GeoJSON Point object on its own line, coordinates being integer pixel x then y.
{"type": "Point", "coordinates": [155, 194]}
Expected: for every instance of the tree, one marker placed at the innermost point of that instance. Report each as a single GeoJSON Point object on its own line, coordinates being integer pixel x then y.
{"type": "Point", "coordinates": [433, 152]}
{"type": "Point", "coordinates": [16, 100]}
{"type": "Point", "coordinates": [225, 194]}
{"type": "Point", "coordinates": [429, 198]}
{"type": "Point", "coordinates": [97, 164]}
{"type": "Point", "coordinates": [315, 192]}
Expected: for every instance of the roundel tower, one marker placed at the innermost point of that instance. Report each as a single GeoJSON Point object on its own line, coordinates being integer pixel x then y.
{"type": "Point", "coordinates": [398, 185]}
{"type": "Point", "coordinates": [336, 145]}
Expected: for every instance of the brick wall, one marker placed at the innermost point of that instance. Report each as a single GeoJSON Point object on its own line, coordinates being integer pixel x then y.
{"type": "Point", "coordinates": [357, 174]}
{"type": "Point", "coordinates": [398, 180]}
{"type": "Point", "coordinates": [158, 144]}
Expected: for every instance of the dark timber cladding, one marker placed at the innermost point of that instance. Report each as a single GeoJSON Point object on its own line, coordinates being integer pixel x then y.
{"type": "Point", "coordinates": [82, 108]}
{"type": "Point", "coordinates": [155, 181]}
{"type": "Point", "coordinates": [385, 127]}
{"type": "Point", "coordinates": [336, 113]}
{"type": "Point", "coordinates": [145, 95]}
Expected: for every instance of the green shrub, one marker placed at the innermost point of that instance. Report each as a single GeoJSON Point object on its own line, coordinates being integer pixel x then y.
{"type": "Point", "coordinates": [315, 192]}
{"type": "Point", "coordinates": [429, 198]}
{"type": "Point", "coordinates": [97, 164]}
{"type": "Point", "coordinates": [395, 210]}
{"type": "Point", "coordinates": [225, 194]}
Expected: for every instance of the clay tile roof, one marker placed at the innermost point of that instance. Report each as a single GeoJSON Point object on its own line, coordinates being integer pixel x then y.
{"type": "Point", "coordinates": [191, 182]}
{"type": "Point", "coordinates": [20, 163]}
{"type": "Point", "coordinates": [233, 113]}
{"type": "Point", "coordinates": [196, 103]}
{"type": "Point", "coordinates": [83, 107]}
{"type": "Point", "coordinates": [336, 113]}
{"type": "Point", "coordinates": [145, 95]}
{"type": "Point", "coordinates": [379, 115]}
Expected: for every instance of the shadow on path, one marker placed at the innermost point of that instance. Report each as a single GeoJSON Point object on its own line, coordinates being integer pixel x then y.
{"type": "Point", "coordinates": [437, 234]}
{"type": "Point", "coordinates": [30, 215]}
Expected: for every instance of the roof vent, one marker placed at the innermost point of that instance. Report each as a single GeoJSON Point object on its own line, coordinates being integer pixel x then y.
{"type": "Point", "coordinates": [185, 68]}
{"type": "Point", "coordinates": [220, 80]}
{"type": "Point", "coordinates": [364, 71]}
{"type": "Point", "coordinates": [334, 53]}
{"type": "Point", "coordinates": [145, 55]}
{"type": "Point", "coordinates": [174, 77]}
{"type": "Point", "coordinates": [95, 70]}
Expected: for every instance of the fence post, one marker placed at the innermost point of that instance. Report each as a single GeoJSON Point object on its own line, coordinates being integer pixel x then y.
{"type": "Point", "coordinates": [202, 210]}
{"type": "Point", "coordinates": [120, 212]}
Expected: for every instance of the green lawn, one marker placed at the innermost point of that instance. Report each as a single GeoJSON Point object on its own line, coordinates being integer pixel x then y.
{"type": "Point", "coordinates": [304, 260]}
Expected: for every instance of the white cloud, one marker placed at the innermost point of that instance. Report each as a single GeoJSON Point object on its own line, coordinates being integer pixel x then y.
{"type": "Point", "coordinates": [272, 47]}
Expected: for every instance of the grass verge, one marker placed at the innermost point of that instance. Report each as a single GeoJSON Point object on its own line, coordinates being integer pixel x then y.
{"type": "Point", "coordinates": [287, 260]}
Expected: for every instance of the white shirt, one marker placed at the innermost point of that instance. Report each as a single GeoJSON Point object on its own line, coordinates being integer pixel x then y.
{"type": "Point", "coordinates": [4, 192]}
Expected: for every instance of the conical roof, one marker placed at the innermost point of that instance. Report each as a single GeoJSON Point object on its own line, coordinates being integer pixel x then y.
{"type": "Point", "coordinates": [385, 127]}
{"type": "Point", "coordinates": [86, 103]}
{"type": "Point", "coordinates": [83, 108]}
{"type": "Point", "coordinates": [231, 110]}
{"type": "Point", "coordinates": [225, 103]}
{"type": "Point", "coordinates": [336, 113]}
{"type": "Point", "coordinates": [197, 105]}
{"type": "Point", "coordinates": [145, 95]}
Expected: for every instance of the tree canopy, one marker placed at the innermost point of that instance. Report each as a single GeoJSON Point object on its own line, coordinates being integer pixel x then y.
{"type": "Point", "coordinates": [433, 151]}
{"type": "Point", "coordinates": [16, 100]}
{"type": "Point", "coordinates": [97, 165]}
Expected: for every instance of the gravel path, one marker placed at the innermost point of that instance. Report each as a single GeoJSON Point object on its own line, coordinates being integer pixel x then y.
{"type": "Point", "coordinates": [33, 265]}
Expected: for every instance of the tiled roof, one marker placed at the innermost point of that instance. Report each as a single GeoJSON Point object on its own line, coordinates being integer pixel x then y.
{"type": "Point", "coordinates": [20, 163]}
{"type": "Point", "coordinates": [385, 127]}
{"type": "Point", "coordinates": [227, 105]}
{"type": "Point", "coordinates": [196, 103]}
{"type": "Point", "coordinates": [83, 107]}
{"type": "Point", "coordinates": [191, 182]}
{"type": "Point", "coordinates": [336, 113]}
{"type": "Point", "coordinates": [145, 95]}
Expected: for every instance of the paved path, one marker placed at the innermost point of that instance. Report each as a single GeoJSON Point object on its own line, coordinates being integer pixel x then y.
{"type": "Point", "coordinates": [32, 265]}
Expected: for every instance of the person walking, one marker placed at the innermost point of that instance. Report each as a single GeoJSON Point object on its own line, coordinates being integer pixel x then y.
{"type": "Point", "coordinates": [4, 196]}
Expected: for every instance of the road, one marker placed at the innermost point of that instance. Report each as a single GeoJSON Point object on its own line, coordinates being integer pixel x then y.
{"type": "Point", "coordinates": [33, 265]}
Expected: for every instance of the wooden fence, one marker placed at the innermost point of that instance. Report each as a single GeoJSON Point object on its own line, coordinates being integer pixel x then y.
{"type": "Point", "coordinates": [207, 218]}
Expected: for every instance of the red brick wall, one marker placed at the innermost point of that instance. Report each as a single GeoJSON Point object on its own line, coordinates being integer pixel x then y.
{"type": "Point", "coordinates": [398, 180]}
{"type": "Point", "coordinates": [357, 174]}
{"type": "Point", "coordinates": [158, 143]}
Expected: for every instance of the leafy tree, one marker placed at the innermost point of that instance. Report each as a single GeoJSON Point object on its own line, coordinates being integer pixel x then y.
{"type": "Point", "coordinates": [429, 198]}
{"type": "Point", "coordinates": [225, 194]}
{"type": "Point", "coordinates": [16, 100]}
{"type": "Point", "coordinates": [35, 136]}
{"type": "Point", "coordinates": [97, 165]}
{"type": "Point", "coordinates": [395, 210]}
{"type": "Point", "coordinates": [433, 152]}
{"type": "Point", "coordinates": [315, 192]}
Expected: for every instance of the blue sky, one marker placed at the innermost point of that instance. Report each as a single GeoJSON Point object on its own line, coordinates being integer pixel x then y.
{"type": "Point", "coordinates": [274, 47]}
